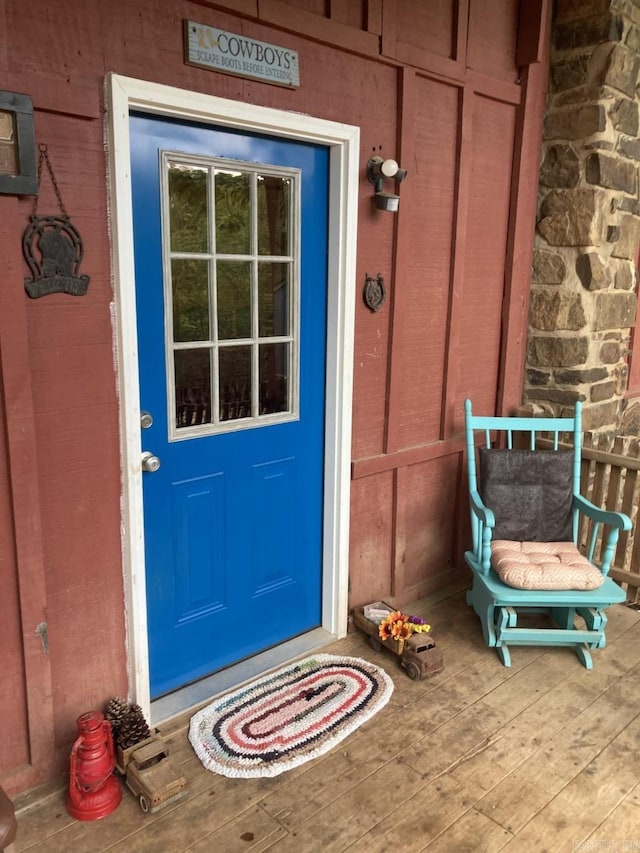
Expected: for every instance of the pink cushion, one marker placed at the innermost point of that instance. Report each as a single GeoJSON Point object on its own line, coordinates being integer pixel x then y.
{"type": "Point", "coordinates": [543, 565]}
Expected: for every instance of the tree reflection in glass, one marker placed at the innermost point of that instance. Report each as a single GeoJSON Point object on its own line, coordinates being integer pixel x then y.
{"type": "Point", "coordinates": [190, 284]}
{"type": "Point", "coordinates": [233, 213]}
{"type": "Point", "coordinates": [193, 387]}
{"type": "Point", "coordinates": [188, 208]}
{"type": "Point", "coordinates": [273, 299]}
{"type": "Point", "coordinates": [274, 368]}
{"type": "Point", "coordinates": [232, 291]}
{"type": "Point", "coordinates": [274, 203]}
{"type": "Point", "coordinates": [235, 383]}
{"type": "Point", "coordinates": [234, 299]}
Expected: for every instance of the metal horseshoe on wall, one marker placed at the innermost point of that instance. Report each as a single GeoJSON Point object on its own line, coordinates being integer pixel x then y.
{"type": "Point", "coordinates": [52, 247]}
{"type": "Point", "coordinates": [374, 292]}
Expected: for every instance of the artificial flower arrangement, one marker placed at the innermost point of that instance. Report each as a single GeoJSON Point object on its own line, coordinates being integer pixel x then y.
{"type": "Point", "coordinates": [399, 626]}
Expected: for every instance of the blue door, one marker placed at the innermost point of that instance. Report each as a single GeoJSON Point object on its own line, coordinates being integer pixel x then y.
{"type": "Point", "coordinates": [230, 238]}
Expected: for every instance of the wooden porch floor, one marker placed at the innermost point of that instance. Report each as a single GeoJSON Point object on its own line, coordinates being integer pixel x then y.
{"type": "Point", "coordinates": [544, 756]}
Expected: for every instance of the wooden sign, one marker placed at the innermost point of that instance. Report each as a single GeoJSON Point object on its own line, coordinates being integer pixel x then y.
{"type": "Point", "coordinates": [219, 50]}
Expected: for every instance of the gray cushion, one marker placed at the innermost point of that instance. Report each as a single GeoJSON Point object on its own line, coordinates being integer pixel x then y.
{"type": "Point", "coordinates": [530, 493]}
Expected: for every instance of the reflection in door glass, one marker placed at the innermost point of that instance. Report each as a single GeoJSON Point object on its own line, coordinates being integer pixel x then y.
{"type": "Point", "coordinates": [273, 299]}
{"type": "Point", "coordinates": [235, 383]}
{"type": "Point", "coordinates": [233, 213]}
{"type": "Point", "coordinates": [234, 299]}
{"type": "Point", "coordinates": [190, 282]}
{"type": "Point", "coordinates": [274, 370]}
{"type": "Point", "coordinates": [193, 387]}
{"type": "Point", "coordinates": [231, 293]}
{"type": "Point", "coordinates": [188, 208]}
{"type": "Point", "coordinates": [274, 194]}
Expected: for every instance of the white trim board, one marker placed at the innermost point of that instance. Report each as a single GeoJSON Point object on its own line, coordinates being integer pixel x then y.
{"type": "Point", "coordinates": [124, 94]}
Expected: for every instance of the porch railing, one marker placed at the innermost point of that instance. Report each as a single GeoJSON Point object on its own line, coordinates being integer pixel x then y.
{"type": "Point", "coordinates": [610, 480]}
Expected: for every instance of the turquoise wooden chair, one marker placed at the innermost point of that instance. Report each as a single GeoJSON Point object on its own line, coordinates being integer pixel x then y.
{"type": "Point", "coordinates": [526, 512]}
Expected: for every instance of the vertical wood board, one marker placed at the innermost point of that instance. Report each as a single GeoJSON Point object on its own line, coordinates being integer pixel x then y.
{"type": "Point", "coordinates": [353, 13]}
{"type": "Point", "coordinates": [13, 702]}
{"type": "Point", "coordinates": [376, 242]}
{"type": "Point", "coordinates": [425, 520]}
{"type": "Point", "coordinates": [493, 34]}
{"type": "Point", "coordinates": [427, 26]}
{"type": "Point", "coordinates": [370, 552]}
{"type": "Point", "coordinates": [374, 16]}
{"type": "Point", "coordinates": [464, 149]}
{"type": "Point", "coordinates": [532, 32]}
{"type": "Point", "coordinates": [23, 517]}
{"type": "Point", "coordinates": [312, 7]}
{"type": "Point", "coordinates": [524, 191]}
{"type": "Point", "coordinates": [73, 38]}
{"type": "Point", "coordinates": [423, 292]}
{"type": "Point", "coordinates": [479, 320]}
{"type": "Point", "coordinates": [77, 441]}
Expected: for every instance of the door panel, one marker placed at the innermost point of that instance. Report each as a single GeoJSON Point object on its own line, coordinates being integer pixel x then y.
{"type": "Point", "coordinates": [230, 239]}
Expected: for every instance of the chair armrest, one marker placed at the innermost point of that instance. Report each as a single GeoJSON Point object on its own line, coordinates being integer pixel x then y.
{"type": "Point", "coordinates": [602, 516]}
{"type": "Point", "coordinates": [482, 523]}
{"type": "Point", "coordinates": [615, 521]}
{"type": "Point", "coordinates": [478, 507]}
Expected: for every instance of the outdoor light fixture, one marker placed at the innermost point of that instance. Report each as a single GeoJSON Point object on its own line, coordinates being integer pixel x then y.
{"type": "Point", "coordinates": [379, 169]}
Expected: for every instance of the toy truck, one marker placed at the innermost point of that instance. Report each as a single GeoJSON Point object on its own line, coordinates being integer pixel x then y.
{"type": "Point", "coordinates": [418, 654]}
{"type": "Point", "coordinates": [150, 774]}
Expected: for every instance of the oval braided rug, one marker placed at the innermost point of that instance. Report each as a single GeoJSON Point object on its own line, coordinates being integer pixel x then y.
{"type": "Point", "coordinates": [289, 716]}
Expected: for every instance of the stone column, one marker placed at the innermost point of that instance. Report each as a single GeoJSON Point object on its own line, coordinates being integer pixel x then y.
{"type": "Point", "coordinates": [583, 294]}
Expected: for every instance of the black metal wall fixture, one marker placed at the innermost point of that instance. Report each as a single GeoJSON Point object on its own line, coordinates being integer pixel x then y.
{"type": "Point", "coordinates": [379, 170]}
{"type": "Point", "coordinates": [52, 246]}
{"type": "Point", "coordinates": [18, 174]}
{"type": "Point", "coordinates": [374, 292]}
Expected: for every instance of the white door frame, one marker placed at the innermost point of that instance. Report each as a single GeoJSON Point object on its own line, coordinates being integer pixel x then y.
{"type": "Point", "coordinates": [122, 95]}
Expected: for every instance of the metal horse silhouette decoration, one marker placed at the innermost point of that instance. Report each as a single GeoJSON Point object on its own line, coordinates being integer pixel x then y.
{"type": "Point", "coordinates": [59, 246]}
{"type": "Point", "coordinates": [61, 251]}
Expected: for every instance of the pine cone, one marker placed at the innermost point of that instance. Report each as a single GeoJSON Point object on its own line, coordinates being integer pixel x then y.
{"type": "Point", "coordinates": [117, 709]}
{"type": "Point", "coordinates": [133, 728]}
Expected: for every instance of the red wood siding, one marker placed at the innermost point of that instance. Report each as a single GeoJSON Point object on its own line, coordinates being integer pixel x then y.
{"type": "Point", "coordinates": [29, 712]}
{"type": "Point", "coordinates": [423, 269]}
{"type": "Point", "coordinates": [426, 524]}
{"type": "Point", "coordinates": [76, 419]}
{"type": "Point", "coordinates": [479, 320]}
{"type": "Point", "coordinates": [425, 27]}
{"type": "Point", "coordinates": [493, 36]}
{"type": "Point", "coordinates": [434, 85]}
{"type": "Point", "coordinates": [13, 700]}
{"type": "Point", "coordinates": [314, 7]}
{"type": "Point", "coordinates": [460, 293]}
{"type": "Point", "coordinates": [371, 556]}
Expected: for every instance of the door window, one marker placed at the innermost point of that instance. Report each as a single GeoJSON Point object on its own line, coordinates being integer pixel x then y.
{"type": "Point", "coordinates": [231, 278]}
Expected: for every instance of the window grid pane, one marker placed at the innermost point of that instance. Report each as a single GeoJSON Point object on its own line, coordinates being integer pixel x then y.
{"type": "Point", "coordinates": [190, 280]}
{"type": "Point", "coordinates": [232, 282]}
{"type": "Point", "coordinates": [188, 208]}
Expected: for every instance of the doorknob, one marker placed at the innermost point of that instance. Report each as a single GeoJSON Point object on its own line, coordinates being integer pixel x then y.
{"type": "Point", "coordinates": [150, 462]}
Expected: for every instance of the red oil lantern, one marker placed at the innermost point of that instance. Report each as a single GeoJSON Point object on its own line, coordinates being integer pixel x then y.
{"type": "Point", "coordinates": [94, 791]}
